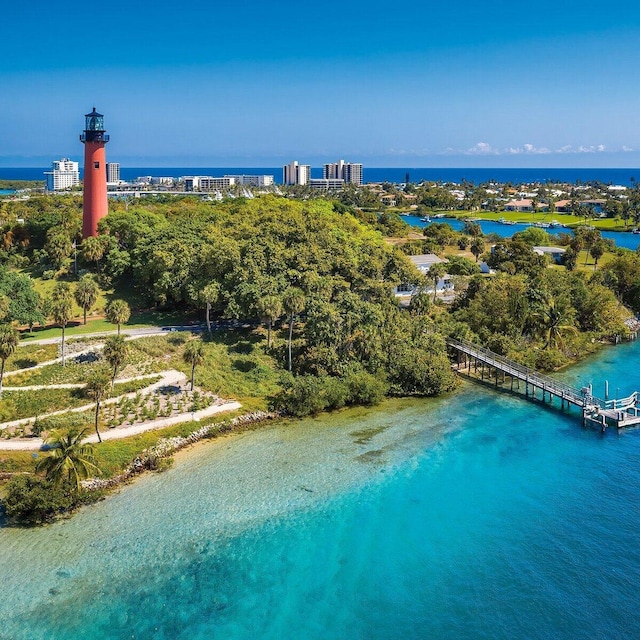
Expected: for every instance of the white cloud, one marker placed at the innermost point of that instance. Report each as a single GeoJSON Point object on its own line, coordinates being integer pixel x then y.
{"type": "Point", "coordinates": [482, 149]}
{"type": "Point", "coordinates": [486, 149]}
{"type": "Point", "coordinates": [625, 148]}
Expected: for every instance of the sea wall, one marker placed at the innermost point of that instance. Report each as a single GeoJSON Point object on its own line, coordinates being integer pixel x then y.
{"type": "Point", "coordinates": [149, 458]}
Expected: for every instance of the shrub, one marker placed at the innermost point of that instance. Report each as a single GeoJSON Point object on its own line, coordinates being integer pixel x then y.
{"type": "Point", "coordinates": [365, 388]}
{"type": "Point", "coordinates": [33, 500]}
{"type": "Point", "coordinates": [301, 396]}
{"type": "Point", "coordinates": [550, 360]}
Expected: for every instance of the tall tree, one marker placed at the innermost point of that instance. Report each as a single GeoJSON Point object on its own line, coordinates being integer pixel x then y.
{"type": "Point", "coordinates": [553, 322]}
{"type": "Point", "coordinates": [24, 303]}
{"type": "Point", "coordinates": [61, 309]}
{"type": "Point", "coordinates": [194, 355]}
{"type": "Point", "coordinates": [118, 312]}
{"type": "Point", "coordinates": [115, 353]}
{"type": "Point", "coordinates": [210, 293]}
{"type": "Point", "coordinates": [86, 293]}
{"type": "Point", "coordinates": [92, 249]}
{"type": "Point", "coordinates": [293, 302]}
{"type": "Point", "coordinates": [597, 251]}
{"type": "Point", "coordinates": [477, 247]}
{"type": "Point", "coordinates": [8, 344]}
{"type": "Point", "coordinates": [270, 309]}
{"type": "Point", "coordinates": [97, 388]}
{"type": "Point", "coordinates": [435, 272]}
{"type": "Point", "coordinates": [69, 459]}
{"type": "Point", "coordinates": [58, 246]}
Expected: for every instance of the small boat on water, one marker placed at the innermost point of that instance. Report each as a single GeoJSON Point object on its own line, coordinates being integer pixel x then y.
{"type": "Point", "coordinates": [555, 223]}
{"type": "Point", "coordinates": [425, 219]}
{"type": "Point", "coordinates": [503, 221]}
{"type": "Point", "coordinates": [542, 225]}
{"type": "Point", "coordinates": [635, 230]}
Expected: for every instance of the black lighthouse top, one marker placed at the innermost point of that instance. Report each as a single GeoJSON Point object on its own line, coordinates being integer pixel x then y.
{"type": "Point", "coordinates": [94, 128]}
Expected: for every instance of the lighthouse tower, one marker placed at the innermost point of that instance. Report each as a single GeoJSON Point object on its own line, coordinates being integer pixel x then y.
{"type": "Point", "coordinates": [94, 206]}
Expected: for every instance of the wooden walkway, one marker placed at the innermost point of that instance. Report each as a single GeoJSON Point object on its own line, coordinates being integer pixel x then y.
{"type": "Point", "coordinates": [495, 369]}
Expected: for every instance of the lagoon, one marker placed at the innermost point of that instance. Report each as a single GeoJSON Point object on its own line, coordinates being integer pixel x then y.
{"type": "Point", "coordinates": [474, 516]}
{"type": "Point", "coordinates": [626, 240]}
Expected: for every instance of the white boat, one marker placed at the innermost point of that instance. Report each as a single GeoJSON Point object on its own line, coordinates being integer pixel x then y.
{"type": "Point", "coordinates": [425, 219]}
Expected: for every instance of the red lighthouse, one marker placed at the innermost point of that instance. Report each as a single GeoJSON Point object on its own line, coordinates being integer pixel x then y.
{"type": "Point", "coordinates": [94, 206]}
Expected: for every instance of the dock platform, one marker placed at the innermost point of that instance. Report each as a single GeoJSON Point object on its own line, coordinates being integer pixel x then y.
{"type": "Point", "coordinates": [497, 369]}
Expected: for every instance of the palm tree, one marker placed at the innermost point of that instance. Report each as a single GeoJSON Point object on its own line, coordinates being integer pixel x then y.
{"type": "Point", "coordinates": [293, 303]}
{"type": "Point", "coordinates": [97, 388]}
{"type": "Point", "coordinates": [115, 353]}
{"type": "Point", "coordinates": [270, 308]}
{"type": "Point", "coordinates": [597, 251]}
{"type": "Point", "coordinates": [436, 271]}
{"type": "Point", "coordinates": [70, 458]}
{"type": "Point", "coordinates": [8, 344]}
{"type": "Point", "coordinates": [552, 323]}
{"type": "Point", "coordinates": [194, 355]}
{"type": "Point", "coordinates": [210, 294]}
{"type": "Point", "coordinates": [92, 250]}
{"type": "Point", "coordinates": [420, 303]}
{"type": "Point", "coordinates": [477, 247]}
{"type": "Point", "coordinates": [61, 308]}
{"type": "Point", "coordinates": [86, 293]}
{"type": "Point", "coordinates": [118, 312]}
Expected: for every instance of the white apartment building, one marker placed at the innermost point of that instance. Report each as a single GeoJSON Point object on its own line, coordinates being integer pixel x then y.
{"type": "Point", "coordinates": [294, 173]}
{"type": "Point", "coordinates": [64, 174]}
{"type": "Point", "coordinates": [328, 184]}
{"type": "Point", "coordinates": [253, 181]}
{"type": "Point", "coordinates": [207, 183]}
{"type": "Point", "coordinates": [113, 172]}
{"type": "Point", "coordinates": [348, 171]}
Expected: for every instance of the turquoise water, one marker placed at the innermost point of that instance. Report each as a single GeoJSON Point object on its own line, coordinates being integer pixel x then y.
{"type": "Point", "coordinates": [474, 516]}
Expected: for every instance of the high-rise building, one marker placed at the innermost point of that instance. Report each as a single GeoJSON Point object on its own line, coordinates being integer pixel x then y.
{"type": "Point", "coordinates": [348, 171]}
{"type": "Point", "coordinates": [64, 174]}
{"type": "Point", "coordinates": [113, 172]}
{"type": "Point", "coordinates": [294, 173]}
{"type": "Point", "coordinates": [94, 202]}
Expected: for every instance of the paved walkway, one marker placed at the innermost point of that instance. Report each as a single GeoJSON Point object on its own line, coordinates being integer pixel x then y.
{"type": "Point", "coordinates": [35, 444]}
{"type": "Point", "coordinates": [170, 377]}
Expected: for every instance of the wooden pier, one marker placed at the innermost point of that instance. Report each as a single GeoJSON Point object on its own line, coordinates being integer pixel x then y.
{"type": "Point", "coordinates": [481, 363]}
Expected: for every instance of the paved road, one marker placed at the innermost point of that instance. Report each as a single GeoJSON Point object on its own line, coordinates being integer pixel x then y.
{"type": "Point", "coordinates": [143, 331]}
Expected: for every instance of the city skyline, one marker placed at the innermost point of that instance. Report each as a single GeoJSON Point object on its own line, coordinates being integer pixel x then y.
{"type": "Point", "coordinates": [496, 85]}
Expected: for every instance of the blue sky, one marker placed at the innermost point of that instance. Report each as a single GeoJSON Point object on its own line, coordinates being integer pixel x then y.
{"type": "Point", "coordinates": [410, 84]}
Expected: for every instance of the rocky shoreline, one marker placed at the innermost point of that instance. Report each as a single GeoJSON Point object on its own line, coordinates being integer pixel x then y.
{"type": "Point", "coordinates": [149, 459]}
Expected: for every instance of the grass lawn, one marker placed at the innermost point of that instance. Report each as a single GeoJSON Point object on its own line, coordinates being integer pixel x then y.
{"type": "Point", "coordinates": [566, 219]}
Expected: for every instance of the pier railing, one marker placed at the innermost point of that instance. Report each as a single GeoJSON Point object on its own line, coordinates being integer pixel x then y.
{"type": "Point", "coordinates": [622, 403]}
{"type": "Point", "coordinates": [527, 374]}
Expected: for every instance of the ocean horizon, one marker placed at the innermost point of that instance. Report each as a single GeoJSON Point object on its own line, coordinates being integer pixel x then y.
{"type": "Point", "coordinates": [625, 177]}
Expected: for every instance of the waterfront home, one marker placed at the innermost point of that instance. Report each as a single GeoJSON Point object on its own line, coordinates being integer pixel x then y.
{"type": "Point", "coordinates": [562, 206]}
{"type": "Point", "coordinates": [524, 205]}
{"type": "Point", "coordinates": [423, 264]}
{"type": "Point", "coordinates": [555, 253]}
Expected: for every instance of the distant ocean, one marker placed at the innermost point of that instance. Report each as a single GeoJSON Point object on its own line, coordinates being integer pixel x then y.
{"type": "Point", "coordinates": [378, 174]}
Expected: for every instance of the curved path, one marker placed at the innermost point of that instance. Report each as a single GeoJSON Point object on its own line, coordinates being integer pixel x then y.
{"type": "Point", "coordinates": [167, 378]}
